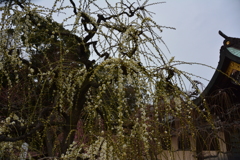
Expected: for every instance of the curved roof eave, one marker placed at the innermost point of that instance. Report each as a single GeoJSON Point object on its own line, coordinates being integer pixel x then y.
{"type": "Point", "coordinates": [227, 54]}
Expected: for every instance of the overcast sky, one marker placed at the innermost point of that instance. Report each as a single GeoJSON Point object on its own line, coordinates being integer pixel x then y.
{"type": "Point", "coordinates": [197, 23]}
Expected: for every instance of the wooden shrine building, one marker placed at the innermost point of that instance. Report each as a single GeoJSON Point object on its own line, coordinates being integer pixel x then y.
{"type": "Point", "coordinates": [222, 95]}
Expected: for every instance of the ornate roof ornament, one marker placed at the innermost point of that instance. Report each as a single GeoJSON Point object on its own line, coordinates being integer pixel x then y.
{"type": "Point", "coordinates": [230, 41]}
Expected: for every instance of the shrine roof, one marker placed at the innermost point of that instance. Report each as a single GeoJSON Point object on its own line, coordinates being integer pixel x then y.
{"type": "Point", "coordinates": [228, 64]}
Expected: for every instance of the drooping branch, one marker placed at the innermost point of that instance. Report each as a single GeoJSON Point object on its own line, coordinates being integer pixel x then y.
{"type": "Point", "coordinates": [130, 14]}
{"type": "Point", "coordinates": [33, 128]}
{"type": "Point", "coordinates": [5, 138]}
{"type": "Point", "coordinates": [134, 36]}
{"type": "Point", "coordinates": [86, 20]}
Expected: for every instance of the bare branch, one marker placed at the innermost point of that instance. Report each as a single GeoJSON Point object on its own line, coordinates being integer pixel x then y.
{"type": "Point", "coordinates": [106, 55]}
{"type": "Point", "coordinates": [74, 7]}
{"type": "Point", "coordinates": [92, 32]}
{"type": "Point", "coordinates": [130, 14]}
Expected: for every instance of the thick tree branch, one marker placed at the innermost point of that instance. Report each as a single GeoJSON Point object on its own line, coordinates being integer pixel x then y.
{"type": "Point", "coordinates": [74, 7]}
{"type": "Point", "coordinates": [130, 14]}
{"type": "Point", "coordinates": [106, 55]}
{"type": "Point", "coordinates": [19, 3]}
{"type": "Point", "coordinates": [92, 32]}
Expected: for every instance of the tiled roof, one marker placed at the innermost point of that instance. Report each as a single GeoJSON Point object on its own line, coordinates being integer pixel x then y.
{"type": "Point", "coordinates": [234, 51]}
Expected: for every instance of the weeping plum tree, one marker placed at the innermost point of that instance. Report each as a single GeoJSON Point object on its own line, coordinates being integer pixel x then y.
{"type": "Point", "coordinates": [99, 87]}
